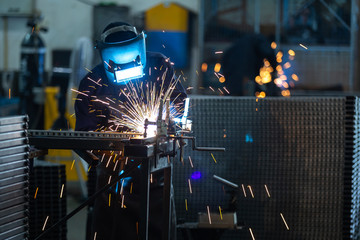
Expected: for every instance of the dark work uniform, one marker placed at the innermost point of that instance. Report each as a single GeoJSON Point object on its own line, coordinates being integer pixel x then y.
{"type": "Point", "coordinates": [95, 109]}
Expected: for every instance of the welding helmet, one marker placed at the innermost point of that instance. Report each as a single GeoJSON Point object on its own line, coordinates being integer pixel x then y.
{"type": "Point", "coordinates": [123, 52]}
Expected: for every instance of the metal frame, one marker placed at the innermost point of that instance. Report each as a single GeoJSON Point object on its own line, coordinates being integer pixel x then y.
{"type": "Point", "coordinates": [149, 152]}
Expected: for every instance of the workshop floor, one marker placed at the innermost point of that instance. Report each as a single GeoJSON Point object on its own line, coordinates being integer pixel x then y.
{"type": "Point", "coordinates": [76, 225]}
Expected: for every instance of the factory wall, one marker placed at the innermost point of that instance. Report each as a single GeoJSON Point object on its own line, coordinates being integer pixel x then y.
{"type": "Point", "coordinates": [67, 20]}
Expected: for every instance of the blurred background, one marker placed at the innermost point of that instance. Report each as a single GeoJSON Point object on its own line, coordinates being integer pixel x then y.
{"type": "Point", "coordinates": [256, 48]}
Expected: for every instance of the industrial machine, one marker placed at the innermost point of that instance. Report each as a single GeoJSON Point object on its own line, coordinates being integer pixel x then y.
{"type": "Point", "coordinates": [154, 153]}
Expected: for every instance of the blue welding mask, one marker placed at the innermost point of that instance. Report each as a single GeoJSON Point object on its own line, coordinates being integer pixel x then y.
{"type": "Point", "coordinates": [123, 60]}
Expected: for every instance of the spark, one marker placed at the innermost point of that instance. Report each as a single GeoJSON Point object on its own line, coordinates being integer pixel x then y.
{"type": "Point", "coordinates": [95, 235]}
{"type": "Point", "coordinates": [151, 178]}
{"type": "Point", "coordinates": [107, 64]}
{"type": "Point", "coordinates": [126, 160]}
{"type": "Point", "coordinates": [163, 46]}
{"type": "Point", "coordinates": [62, 190]}
{"type": "Point", "coordinates": [189, 186]}
{"type": "Point", "coordinates": [243, 188]}
{"type": "Point", "coordinates": [221, 91]}
{"type": "Point", "coordinates": [217, 67]}
{"type": "Point", "coordinates": [252, 194]}
{"type": "Point", "coordinates": [122, 201]}
{"type": "Point", "coordinates": [102, 158]}
{"type": "Point", "coordinates": [88, 70]}
{"type": "Point", "coordinates": [109, 179]}
{"type": "Point", "coordinates": [72, 165]}
{"type": "Point", "coordinates": [287, 227]}
{"type": "Point", "coordinates": [168, 157]}
{"type": "Point", "coordinates": [36, 192]}
{"type": "Point", "coordinates": [47, 218]}
{"type": "Point", "coordinates": [131, 187]}
{"type": "Point", "coordinates": [221, 217]}
{"type": "Point", "coordinates": [219, 52]}
{"type": "Point", "coordinates": [9, 93]}
{"type": "Point", "coordinates": [208, 211]}
{"type": "Point", "coordinates": [108, 161]}
{"type": "Point", "coordinates": [115, 165]}
{"type": "Point", "coordinates": [213, 157]}
{"type": "Point", "coordinates": [137, 228]}
{"type": "Point", "coordinates": [109, 199]}
{"type": "Point", "coordinates": [252, 235]}
{"type": "Point", "coordinates": [89, 168]}
{"type": "Point", "coordinates": [144, 102]}
{"type": "Point", "coordinates": [295, 77]}
{"type": "Point", "coordinates": [273, 45]}
{"type": "Point", "coordinates": [291, 52]}
{"type": "Point", "coordinates": [226, 90]}
{"type": "Point", "coordinates": [186, 204]}
{"type": "Point", "coordinates": [191, 164]}
{"type": "Point", "coordinates": [122, 187]}
{"type": "Point", "coordinates": [303, 46]}
{"type": "Point", "coordinates": [267, 191]}
{"type": "Point", "coordinates": [79, 92]}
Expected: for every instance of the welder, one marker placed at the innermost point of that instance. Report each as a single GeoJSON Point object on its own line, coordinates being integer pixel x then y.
{"type": "Point", "coordinates": [124, 61]}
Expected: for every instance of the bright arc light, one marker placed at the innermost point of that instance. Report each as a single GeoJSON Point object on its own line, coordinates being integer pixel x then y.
{"type": "Point", "coordinates": [128, 74]}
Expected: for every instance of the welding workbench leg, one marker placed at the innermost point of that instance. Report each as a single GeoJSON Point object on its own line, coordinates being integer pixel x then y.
{"type": "Point", "coordinates": [166, 204]}
{"type": "Point", "coordinates": [144, 199]}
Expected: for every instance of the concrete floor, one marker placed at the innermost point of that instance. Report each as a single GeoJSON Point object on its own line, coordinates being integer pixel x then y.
{"type": "Point", "coordinates": [76, 225]}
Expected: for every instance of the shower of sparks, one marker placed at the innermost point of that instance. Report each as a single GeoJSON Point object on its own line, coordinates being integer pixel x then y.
{"type": "Point", "coordinates": [208, 211]}
{"type": "Point", "coordinates": [36, 192]}
{"type": "Point", "coordinates": [186, 205]}
{"type": "Point", "coordinates": [72, 165]}
{"type": "Point", "coordinates": [95, 235]}
{"type": "Point", "coordinates": [131, 187]}
{"type": "Point", "coordinates": [47, 218]}
{"type": "Point", "coordinates": [221, 217]}
{"type": "Point", "coordinates": [252, 235]}
{"type": "Point", "coordinates": [303, 46]}
{"type": "Point", "coordinates": [143, 101]}
{"type": "Point", "coordinates": [62, 190]}
{"type": "Point", "coordinates": [287, 227]}
{"type": "Point", "coordinates": [9, 93]}
{"type": "Point", "coordinates": [109, 199]}
{"type": "Point", "coordinates": [189, 186]}
{"type": "Point", "coordinates": [243, 188]}
{"type": "Point", "coordinates": [191, 164]}
{"type": "Point", "coordinates": [213, 157]}
{"type": "Point", "coordinates": [252, 194]}
{"type": "Point", "coordinates": [267, 190]}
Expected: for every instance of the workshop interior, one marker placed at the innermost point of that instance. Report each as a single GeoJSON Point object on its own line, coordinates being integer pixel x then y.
{"type": "Point", "coordinates": [262, 142]}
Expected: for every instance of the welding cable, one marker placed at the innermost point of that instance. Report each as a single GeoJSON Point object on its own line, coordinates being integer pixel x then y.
{"type": "Point", "coordinates": [126, 173]}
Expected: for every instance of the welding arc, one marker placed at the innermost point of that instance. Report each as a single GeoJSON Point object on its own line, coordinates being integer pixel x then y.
{"type": "Point", "coordinates": [90, 199]}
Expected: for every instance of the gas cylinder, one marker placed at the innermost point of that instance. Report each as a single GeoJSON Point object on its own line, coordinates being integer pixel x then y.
{"type": "Point", "coordinates": [31, 80]}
